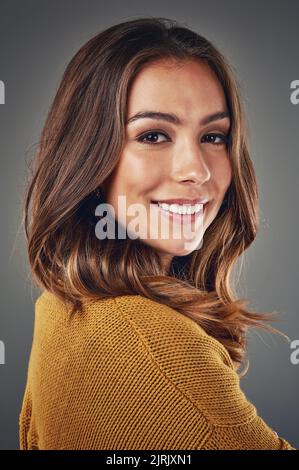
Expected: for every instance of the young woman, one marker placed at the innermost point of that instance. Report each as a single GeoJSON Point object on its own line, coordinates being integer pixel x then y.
{"type": "Point", "coordinates": [138, 338]}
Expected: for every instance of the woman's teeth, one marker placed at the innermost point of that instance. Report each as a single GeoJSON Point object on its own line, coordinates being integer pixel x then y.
{"type": "Point", "coordinates": [180, 208]}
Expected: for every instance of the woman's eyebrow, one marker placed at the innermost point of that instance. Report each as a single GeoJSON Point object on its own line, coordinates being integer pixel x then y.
{"type": "Point", "coordinates": [174, 119]}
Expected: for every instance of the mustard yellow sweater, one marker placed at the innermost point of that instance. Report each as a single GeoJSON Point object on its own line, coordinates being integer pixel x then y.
{"type": "Point", "coordinates": [133, 374]}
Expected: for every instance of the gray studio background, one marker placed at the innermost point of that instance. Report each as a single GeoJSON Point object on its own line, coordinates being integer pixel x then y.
{"type": "Point", "coordinates": [260, 38]}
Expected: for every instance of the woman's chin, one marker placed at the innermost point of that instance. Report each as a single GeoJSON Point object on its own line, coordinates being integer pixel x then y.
{"type": "Point", "coordinates": [177, 247]}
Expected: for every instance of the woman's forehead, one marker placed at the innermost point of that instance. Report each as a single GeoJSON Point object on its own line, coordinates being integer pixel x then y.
{"type": "Point", "coordinates": [186, 87]}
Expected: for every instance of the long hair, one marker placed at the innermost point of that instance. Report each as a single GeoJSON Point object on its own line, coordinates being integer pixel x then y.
{"type": "Point", "coordinates": [78, 149]}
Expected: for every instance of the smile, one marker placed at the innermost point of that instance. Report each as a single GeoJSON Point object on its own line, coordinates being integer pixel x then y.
{"type": "Point", "coordinates": [181, 209]}
{"type": "Point", "coordinates": [180, 212]}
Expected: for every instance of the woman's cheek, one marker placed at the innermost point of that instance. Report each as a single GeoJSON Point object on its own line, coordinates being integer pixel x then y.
{"type": "Point", "coordinates": [142, 168]}
{"type": "Point", "coordinates": [221, 173]}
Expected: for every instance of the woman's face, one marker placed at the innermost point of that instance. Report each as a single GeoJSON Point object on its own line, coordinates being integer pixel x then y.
{"type": "Point", "coordinates": [180, 157]}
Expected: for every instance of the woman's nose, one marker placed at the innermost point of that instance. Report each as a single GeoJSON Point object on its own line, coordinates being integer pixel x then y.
{"type": "Point", "coordinates": [190, 165]}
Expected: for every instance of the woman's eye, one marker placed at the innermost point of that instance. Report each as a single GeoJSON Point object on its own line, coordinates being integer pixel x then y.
{"type": "Point", "coordinates": [212, 139]}
{"type": "Point", "coordinates": [151, 136]}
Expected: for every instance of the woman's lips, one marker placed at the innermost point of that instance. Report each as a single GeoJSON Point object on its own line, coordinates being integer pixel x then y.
{"type": "Point", "coordinates": [191, 202]}
{"type": "Point", "coordinates": [181, 218]}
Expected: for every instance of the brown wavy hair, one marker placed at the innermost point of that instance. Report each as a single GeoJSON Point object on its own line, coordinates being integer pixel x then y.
{"type": "Point", "coordinates": [78, 149]}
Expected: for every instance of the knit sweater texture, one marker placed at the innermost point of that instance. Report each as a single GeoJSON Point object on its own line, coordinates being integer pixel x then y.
{"type": "Point", "coordinates": [130, 373]}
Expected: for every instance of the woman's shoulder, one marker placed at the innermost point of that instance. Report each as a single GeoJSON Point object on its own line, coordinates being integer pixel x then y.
{"type": "Point", "coordinates": [161, 324]}
{"type": "Point", "coordinates": [156, 323]}
{"type": "Point", "coordinates": [131, 346]}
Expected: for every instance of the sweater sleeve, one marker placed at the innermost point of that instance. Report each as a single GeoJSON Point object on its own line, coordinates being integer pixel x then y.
{"type": "Point", "coordinates": [235, 423]}
{"type": "Point", "coordinates": [201, 370]}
